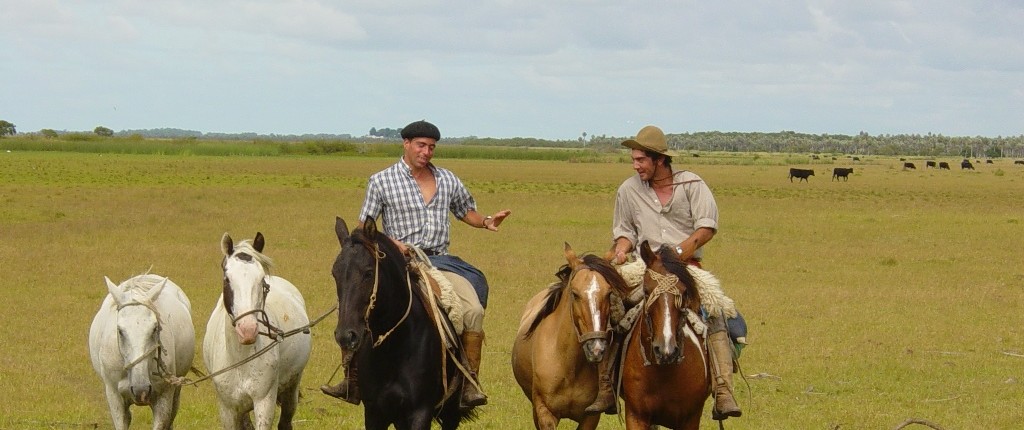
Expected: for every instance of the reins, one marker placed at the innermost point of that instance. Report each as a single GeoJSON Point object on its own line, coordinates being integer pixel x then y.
{"type": "Point", "coordinates": [377, 256]}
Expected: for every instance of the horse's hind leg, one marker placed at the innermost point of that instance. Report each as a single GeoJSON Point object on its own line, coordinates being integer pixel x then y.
{"type": "Point", "coordinates": [289, 400]}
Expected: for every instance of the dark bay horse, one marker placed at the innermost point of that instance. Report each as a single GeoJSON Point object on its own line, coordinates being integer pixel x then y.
{"type": "Point", "coordinates": [407, 375]}
{"type": "Point", "coordinates": [563, 333]}
{"type": "Point", "coordinates": [666, 373]}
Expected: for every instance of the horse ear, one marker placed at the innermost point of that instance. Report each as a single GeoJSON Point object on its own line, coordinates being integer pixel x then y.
{"type": "Point", "coordinates": [155, 291]}
{"type": "Point", "coordinates": [647, 254]}
{"type": "Point", "coordinates": [570, 256]}
{"type": "Point", "coordinates": [370, 228]}
{"type": "Point", "coordinates": [340, 229]}
{"type": "Point", "coordinates": [258, 242]}
{"type": "Point", "coordinates": [227, 246]}
{"type": "Point", "coordinates": [113, 289]}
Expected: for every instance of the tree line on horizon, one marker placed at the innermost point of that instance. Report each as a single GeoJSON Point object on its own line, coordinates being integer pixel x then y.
{"type": "Point", "coordinates": [929, 145]}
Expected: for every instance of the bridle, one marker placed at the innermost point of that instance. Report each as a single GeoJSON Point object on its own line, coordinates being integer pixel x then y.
{"type": "Point", "coordinates": [590, 335]}
{"type": "Point", "coordinates": [664, 284]}
{"type": "Point", "coordinates": [157, 351]}
{"type": "Point", "coordinates": [261, 313]}
{"type": "Point", "coordinates": [378, 255]}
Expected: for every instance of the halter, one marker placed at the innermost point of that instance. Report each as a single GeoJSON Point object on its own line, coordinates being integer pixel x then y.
{"type": "Point", "coordinates": [272, 332]}
{"type": "Point", "coordinates": [156, 351]}
{"type": "Point", "coordinates": [666, 284]}
{"type": "Point", "coordinates": [377, 257]}
{"type": "Point", "coordinates": [588, 336]}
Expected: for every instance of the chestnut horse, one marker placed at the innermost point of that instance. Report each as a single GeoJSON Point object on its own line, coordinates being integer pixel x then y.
{"type": "Point", "coordinates": [666, 373]}
{"type": "Point", "coordinates": [563, 333]}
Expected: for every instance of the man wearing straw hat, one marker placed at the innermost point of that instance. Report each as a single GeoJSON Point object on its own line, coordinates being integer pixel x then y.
{"type": "Point", "coordinates": [675, 209]}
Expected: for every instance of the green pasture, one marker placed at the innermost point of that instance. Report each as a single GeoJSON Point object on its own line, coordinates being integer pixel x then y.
{"type": "Point", "coordinates": [895, 295]}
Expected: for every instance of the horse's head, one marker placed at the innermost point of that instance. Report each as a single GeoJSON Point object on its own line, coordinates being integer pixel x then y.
{"type": "Point", "coordinates": [670, 292]}
{"type": "Point", "coordinates": [138, 333]}
{"type": "Point", "coordinates": [358, 272]}
{"type": "Point", "coordinates": [590, 284]}
{"type": "Point", "coordinates": [245, 285]}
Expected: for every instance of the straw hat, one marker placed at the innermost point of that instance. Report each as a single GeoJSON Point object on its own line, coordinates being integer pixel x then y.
{"type": "Point", "coordinates": [650, 138]}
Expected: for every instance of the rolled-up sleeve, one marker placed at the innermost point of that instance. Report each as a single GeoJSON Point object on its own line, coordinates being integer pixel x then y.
{"type": "Point", "coordinates": [623, 224]}
{"type": "Point", "coordinates": [702, 206]}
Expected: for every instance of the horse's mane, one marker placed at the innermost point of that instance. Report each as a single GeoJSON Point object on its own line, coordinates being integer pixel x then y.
{"type": "Point", "coordinates": [555, 290]}
{"type": "Point", "coordinates": [245, 246]}
{"type": "Point", "coordinates": [673, 265]}
{"type": "Point", "coordinates": [394, 259]}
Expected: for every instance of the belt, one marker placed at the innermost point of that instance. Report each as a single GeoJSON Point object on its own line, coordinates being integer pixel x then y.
{"type": "Point", "coordinates": [430, 252]}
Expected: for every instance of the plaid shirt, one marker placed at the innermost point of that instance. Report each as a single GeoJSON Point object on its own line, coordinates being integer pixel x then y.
{"type": "Point", "coordinates": [393, 195]}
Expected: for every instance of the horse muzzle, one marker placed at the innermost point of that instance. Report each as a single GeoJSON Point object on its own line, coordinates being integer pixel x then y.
{"type": "Point", "coordinates": [246, 329]}
{"type": "Point", "coordinates": [595, 349]}
{"type": "Point", "coordinates": [348, 339]}
{"type": "Point", "coordinates": [141, 395]}
{"type": "Point", "coordinates": [667, 353]}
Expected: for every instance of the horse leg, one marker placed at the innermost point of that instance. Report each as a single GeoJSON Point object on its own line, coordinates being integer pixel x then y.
{"type": "Point", "coordinates": [230, 419]}
{"type": "Point", "coordinates": [263, 410]}
{"type": "Point", "coordinates": [589, 422]}
{"type": "Point", "coordinates": [374, 420]}
{"type": "Point", "coordinates": [419, 420]}
{"type": "Point", "coordinates": [289, 403]}
{"type": "Point", "coordinates": [119, 412]}
{"type": "Point", "coordinates": [163, 408]}
{"type": "Point", "coordinates": [543, 419]}
{"type": "Point", "coordinates": [636, 422]}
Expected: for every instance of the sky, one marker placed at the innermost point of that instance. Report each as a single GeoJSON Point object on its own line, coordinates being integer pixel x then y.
{"type": "Point", "coordinates": [549, 69]}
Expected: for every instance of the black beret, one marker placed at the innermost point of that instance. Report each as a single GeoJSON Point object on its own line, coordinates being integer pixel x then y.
{"type": "Point", "coordinates": [421, 128]}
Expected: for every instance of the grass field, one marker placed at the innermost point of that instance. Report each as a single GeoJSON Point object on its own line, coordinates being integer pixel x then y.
{"type": "Point", "coordinates": [895, 295]}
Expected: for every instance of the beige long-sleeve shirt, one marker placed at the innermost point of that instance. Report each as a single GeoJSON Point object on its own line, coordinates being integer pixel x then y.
{"type": "Point", "coordinates": [640, 216]}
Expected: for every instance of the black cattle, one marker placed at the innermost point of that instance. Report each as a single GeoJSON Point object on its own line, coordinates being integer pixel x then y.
{"type": "Point", "coordinates": [909, 166]}
{"type": "Point", "coordinates": [1018, 162]}
{"type": "Point", "coordinates": [696, 155]}
{"type": "Point", "coordinates": [856, 158]}
{"type": "Point", "coordinates": [943, 165]}
{"type": "Point", "coordinates": [988, 161]}
{"type": "Point", "coordinates": [903, 159]}
{"type": "Point", "coordinates": [800, 173]}
{"type": "Point", "coordinates": [841, 172]}
{"type": "Point", "coordinates": [815, 157]}
{"type": "Point", "coordinates": [966, 165]}
{"type": "Point", "coordinates": [928, 164]}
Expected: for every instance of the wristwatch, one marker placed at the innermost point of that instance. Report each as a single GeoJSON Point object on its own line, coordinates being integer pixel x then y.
{"type": "Point", "coordinates": [488, 217]}
{"type": "Point", "coordinates": [679, 250]}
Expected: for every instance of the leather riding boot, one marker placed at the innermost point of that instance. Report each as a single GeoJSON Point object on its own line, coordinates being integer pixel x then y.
{"type": "Point", "coordinates": [720, 347]}
{"type": "Point", "coordinates": [605, 400]}
{"type": "Point", "coordinates": [348, 388]}
{"type": "Point", "coordinates": [472, 396]}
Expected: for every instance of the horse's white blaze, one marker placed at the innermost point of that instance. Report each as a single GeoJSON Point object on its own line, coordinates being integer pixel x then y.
{"type": "Point", "coordinates": [593, 300]}
{"type": "Point", "coordinates": [123, 344]}
{"type": "Point", "coordinates": [667, 330]}
{"type": "Point", "coordinates": [246, 278]}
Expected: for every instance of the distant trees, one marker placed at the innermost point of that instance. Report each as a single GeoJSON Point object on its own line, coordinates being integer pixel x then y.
{"type": "Point", "coordinates": [48, 133]}
{"type": "Point", "coordinates": [6, 128]}
{"type": "Point", "coordinates": [387, 133]}
{"type": "Point", "coordinates": [103, 131]}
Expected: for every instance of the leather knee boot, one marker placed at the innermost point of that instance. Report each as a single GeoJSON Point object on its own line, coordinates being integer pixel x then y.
{"type": "Point", "coordinates": [605, 400]}
{"type": "Point", "coordinates": [720, 347]}
{"type": "Point", "coordinates": [472, 396]}
{"type": "Point", "coordinates": [348, 388]}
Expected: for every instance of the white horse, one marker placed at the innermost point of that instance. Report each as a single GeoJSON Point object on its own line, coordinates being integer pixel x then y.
{"type": "Point", "coordinates": [141, 338]}
{"type": "Point", "coordinates": [253, 310]}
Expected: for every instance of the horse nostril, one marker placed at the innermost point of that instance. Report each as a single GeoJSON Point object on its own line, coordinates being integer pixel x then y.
{"type": "Point", "coordinates": [349, 339]}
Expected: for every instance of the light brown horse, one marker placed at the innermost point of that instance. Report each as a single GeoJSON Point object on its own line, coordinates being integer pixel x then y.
{"type": "Point", "coordinates": [665, 374]}
{"type": "Point", "coordinates": [563, 333]}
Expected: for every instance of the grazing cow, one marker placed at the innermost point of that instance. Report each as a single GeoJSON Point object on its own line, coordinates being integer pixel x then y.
{"type": "Point", "coordinates": [696, 155]}
{"type": "Point", "coordinates": [800, 173]}
{"type": "Point", "coordinates": [966, 165]}
{"type": "Point", "coordinates": [815, 157]}
{"type": "Point", "coordinates": [909, 165]}
{"type": "Point", "coordinates": [928, 164]}
{"type": "Point", "coordinates": [856, 158]}
{"type": "Point", "coordinates": [903, 159]}
{"type": "Point", "coordinates": [943, 165]}
{"type": "Point", "coordinates": [988, 161]}
{"type": "Point", "coordinates": [1018, 162]}
{"type": "Point", "coordinates": [842, 172]}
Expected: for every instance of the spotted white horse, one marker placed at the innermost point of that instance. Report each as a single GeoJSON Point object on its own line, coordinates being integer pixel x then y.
{"type": "Point", "coordinates": [256, 326]}
{"type": "Point", "coordinates": [140, 342]}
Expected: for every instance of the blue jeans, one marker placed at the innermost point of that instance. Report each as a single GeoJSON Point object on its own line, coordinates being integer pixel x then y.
{"type": "Point", "coordinates": [456, 265]}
